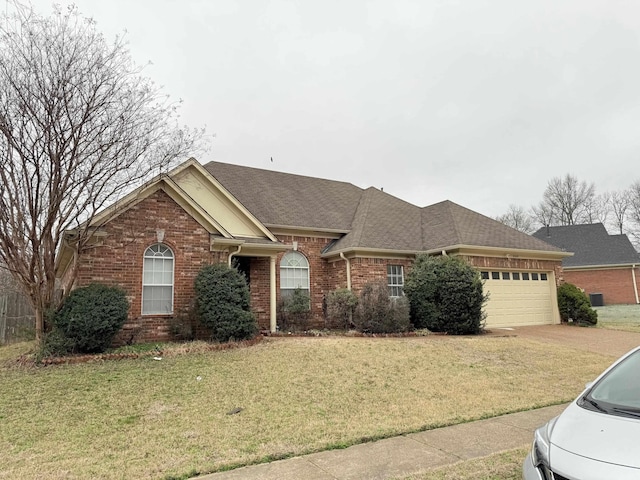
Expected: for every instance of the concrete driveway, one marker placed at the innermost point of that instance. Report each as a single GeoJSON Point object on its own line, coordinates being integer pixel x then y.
{"type": "Point", "coordinates": [592, 339]}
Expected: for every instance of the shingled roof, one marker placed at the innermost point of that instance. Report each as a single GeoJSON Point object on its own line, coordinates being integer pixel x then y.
{"type": "Point", "coordinates": [283, 199]}
{"type": "Point", "coordinates": [369, 218]}
{"type": "Point", "coordinates": [591, 244]}
{"type": "Point", "coordinates": [447, 223]}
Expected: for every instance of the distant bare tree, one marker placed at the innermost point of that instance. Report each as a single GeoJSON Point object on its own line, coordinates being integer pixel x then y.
{"type": "Point", "coordinates": [567, 199]}
{"type": "Point", "coordinates": [597, 209]}
{"type": "Point", "coordinates": [620, 203]}
{"type": "Point", "coordinates": [634, 213]}
{"type": "Point", "coordinates": [79, 127]}
{"type": "Point", "coordinates": [543, 214]}
{"type": "Point", "coordinates": [518, 218]}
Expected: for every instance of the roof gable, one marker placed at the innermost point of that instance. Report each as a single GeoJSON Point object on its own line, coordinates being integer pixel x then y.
{"type": "Point", "coordinates": [591, 243]}
{"type": "Point", "coordinates": [203, 197]}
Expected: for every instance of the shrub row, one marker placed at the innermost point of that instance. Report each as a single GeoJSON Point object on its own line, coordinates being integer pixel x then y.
{"type": "Point", "coordinates": [443, 294]}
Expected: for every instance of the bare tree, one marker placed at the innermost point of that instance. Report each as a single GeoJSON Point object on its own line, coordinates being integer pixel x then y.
{"type": "Point", "coordinates": [597, 209]}
{"type": "Point", "coordinates": [620, 203]}
{"type": "Point", "coordinates": [543, 214]}
{"type": "Point", "coordinates": [518, 218]}
{"type": "Point", "coordinates": [79, 127]}
{"type": "Point", "coordinates": [634, 212]}
{"type": "Point", "coordinates": [567, 198]}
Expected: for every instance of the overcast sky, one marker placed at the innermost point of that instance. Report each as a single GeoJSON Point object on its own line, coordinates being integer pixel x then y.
{"type": "Point", "coordinates": [478, 102]}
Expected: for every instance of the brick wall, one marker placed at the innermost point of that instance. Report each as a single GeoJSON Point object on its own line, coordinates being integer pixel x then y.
{"type": "Point", "coordinates": [118, 259]}
{"type": "Point", "coordinates": [367, 270]}
{"type": "Point", "coordinates": [616, 285]}
{"type": "Point", "coordinates": [324, 276]}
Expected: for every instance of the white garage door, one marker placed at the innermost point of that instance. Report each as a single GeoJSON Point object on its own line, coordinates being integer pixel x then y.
{"type": "Point", "coordinates": [518, 298]}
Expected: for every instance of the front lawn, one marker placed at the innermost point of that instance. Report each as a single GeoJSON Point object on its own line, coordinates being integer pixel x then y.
{"type": "Point", "coordinates": [619, 317]}
{"type": "Point", "coordinates": [210, 410]}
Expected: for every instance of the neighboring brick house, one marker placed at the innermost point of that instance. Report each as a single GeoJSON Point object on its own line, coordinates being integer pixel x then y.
{"type": "Point", "coordinates": [602, 263]}
{"type": "Point", "coordinates": [288, 231]}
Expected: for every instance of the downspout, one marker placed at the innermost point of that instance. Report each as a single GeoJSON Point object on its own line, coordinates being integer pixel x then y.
{"type": "Point", "coordinates": [234, 253]}
{"type": "Point", "coordinates": [635, 285]}
{"type": "Point", "coordinates": [348, 270]}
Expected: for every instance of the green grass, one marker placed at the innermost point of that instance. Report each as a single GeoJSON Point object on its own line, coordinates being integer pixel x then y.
{"type": "Point", "coordinates": [619, 317]}
{"type": "Point", "coordinates": [153, 419]}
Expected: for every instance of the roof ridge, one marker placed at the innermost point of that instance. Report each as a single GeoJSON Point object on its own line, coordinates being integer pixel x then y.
{"type": "Point", "coordinates": [454, 219]}
{"type": "Point", "coordinates": [361, 213]}
{"type": "Point", "coordinates": [277, 172]}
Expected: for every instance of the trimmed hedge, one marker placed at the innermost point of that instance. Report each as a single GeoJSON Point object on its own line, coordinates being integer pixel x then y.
{"type": "Point", "coordinates": [88, 319]}
{"type": "Point", "coordinates": [574, 305]}
{"type": "Point", "coordinates": [223, 303]}
{"type": "Point", "coordinates": [445, 295]}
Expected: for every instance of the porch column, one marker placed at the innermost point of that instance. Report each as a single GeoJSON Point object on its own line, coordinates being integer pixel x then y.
{"type": "Point", "coordinates": [272, 293]}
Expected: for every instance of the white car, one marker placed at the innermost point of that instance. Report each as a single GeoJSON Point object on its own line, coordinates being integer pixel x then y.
{"type": "Point", "coordinates": [597, 437]}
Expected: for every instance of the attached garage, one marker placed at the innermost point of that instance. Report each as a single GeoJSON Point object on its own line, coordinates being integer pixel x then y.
{"type": "Point", "coordinates": [518, 298]}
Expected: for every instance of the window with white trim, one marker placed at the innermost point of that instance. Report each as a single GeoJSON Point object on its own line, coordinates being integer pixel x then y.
{"type": "Point", "coordinates": [294, 273]}
{"type": "Point", "coordinates": [395, 280]}
{"type": "Point", "coordinates": [157, 280]}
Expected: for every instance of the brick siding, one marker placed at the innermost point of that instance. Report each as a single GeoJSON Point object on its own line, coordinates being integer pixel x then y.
{"type": "Point", "coordinates": [616, 285]}
{"type": "Point", "coordinates": [117, 259]}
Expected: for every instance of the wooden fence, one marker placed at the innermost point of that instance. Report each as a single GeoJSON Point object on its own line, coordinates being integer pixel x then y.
{"type": "Point", "coordinates": [17, 321]}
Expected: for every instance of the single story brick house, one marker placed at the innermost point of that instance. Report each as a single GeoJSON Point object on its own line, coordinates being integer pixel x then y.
{"type": "Point", "coordinates": [602, 263]}
{"type": "Point", "coordinates": [288, 231]}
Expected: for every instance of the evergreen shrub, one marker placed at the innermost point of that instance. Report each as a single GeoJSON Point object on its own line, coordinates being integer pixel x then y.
{"type": "Point", "coordinates": [574, 305]}
{"type": "Point", "coordinates": [445, 295]}
{"type": "Point", "coordinates": [224, 304]}
{"type": "Point", "coordinates": [88, 319]}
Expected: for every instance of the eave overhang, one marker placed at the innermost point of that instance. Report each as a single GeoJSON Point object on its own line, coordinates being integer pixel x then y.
{"type": "Point", "coordinates": [618, 266]}
{"type": "Point", "coordinates": [476, 250]}
{"type": "Point", "coordinates": [247, 247]}
{"type": "Point", "coordinates": [306, 231]}
{"type": "Point", "coordinates": [460, 249]}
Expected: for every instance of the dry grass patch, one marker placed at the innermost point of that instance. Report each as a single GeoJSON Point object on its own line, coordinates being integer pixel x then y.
{"type": "Point", "coordinates": [10, 354]}
{"type": "Point", "coordinates": [154, 419]}
{"type": "Point", "coordinates": [500, 466]}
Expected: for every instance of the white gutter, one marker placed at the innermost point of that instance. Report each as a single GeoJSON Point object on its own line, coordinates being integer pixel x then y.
{"type": "Point", "coordinates": [234, 253]}
{"type": "Point", "coordinates": [348, 270]}
{"type": "Point", "coordinates": [635, 285]}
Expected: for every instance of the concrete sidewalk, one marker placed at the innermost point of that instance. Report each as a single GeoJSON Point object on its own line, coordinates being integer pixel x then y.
{"type": "Point", "coordinates": [404, 455]}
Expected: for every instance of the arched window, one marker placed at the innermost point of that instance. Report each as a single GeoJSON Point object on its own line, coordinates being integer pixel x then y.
{"type": "Point", "coordinates": [157, 280]}
{"type": "Point", "coordinates": [294, 273]}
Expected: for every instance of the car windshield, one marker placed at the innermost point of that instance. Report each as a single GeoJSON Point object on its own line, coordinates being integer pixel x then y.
{"type": "Point", "coordinates": [618, 392]}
